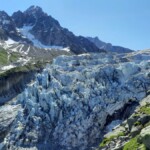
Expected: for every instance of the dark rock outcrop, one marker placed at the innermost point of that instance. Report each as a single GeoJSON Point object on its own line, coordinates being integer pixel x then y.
{"type": "Point", "coordinates": [7, 27]}
{"type": "Point", "coordinates": [13, 84]}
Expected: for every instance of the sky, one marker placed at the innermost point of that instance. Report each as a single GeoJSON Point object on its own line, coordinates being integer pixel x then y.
{"type": "Point", "coordinates": [120, 22]}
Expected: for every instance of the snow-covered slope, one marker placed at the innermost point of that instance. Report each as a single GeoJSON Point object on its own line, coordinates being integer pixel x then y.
{"type": "Point", "coordinates": [68, 104]}
{"type": "Point", "coordinates": [25, 48]}
{"type": "Point", "coordinates": [30, 53]}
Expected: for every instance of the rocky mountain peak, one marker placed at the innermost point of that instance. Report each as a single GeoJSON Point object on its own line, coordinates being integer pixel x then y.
{"type": "Point", "coordinates": [49, 32]}
{"type": "Point", "coordinates": [34, 9]}
{"type": "Point", "coordinates": [34, 26]}
{"type": "Point", "coordinates": [18, 18]}
{"type": "Point", "coordinates": [5, 20]}
{"type": "Point", "coordinates": [7, 26]}
{"type": "Point", "coordinates": [3, 14]}
{"type": "Point", "coordinates": [29, 17]}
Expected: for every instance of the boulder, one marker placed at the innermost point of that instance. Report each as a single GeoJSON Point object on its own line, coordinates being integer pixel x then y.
{"type": "Point", "coordinates": [145, 136]}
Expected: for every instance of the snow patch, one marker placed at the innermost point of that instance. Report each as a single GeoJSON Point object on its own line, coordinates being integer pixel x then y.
{"type": "Point", "coordinates": [10, 41]}
{"type": "Point", "coordinates": [4, 21]}
{"type": "Point", "coordinates": [66, 49]}
{"type": "Point", "coordinates": [24, 61]}
{"type": "Point", "coordinates": [7, 67]}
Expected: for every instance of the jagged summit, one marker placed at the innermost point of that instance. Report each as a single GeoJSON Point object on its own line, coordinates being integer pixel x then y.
{"type": "Point", "coordinates": [36, 12]}
{"type": "Point", "coordinates": [37, 27]}
{"type": "Point", "coordinates": [43, 31]}
{"type": "Point", "coordinates": [34, 8]}
{"type": "Point", "coordinates": [5, 20]}
{"type": "Point", "coordinates": [48, 31]}
{"type": "Point", "coordinates": [3, 14]}
{"type": "Point", "coordinates": [7, 27]}
{"type": "Point", "coordinates": [29, 16]}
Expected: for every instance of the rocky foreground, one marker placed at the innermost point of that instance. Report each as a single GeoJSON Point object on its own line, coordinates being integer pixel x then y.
{"type": "Point", "coordinates": [68, 105]}
{"type": "Point", "coordinates": [133, 133]}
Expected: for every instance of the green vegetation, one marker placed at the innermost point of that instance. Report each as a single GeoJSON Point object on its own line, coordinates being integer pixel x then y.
{"type": "Point", "coordinates": [145, 109]}
{"type": "Point", "coordinates": [5, 60]}
{"type": "Point", "coordinates": [137, 123]}
{"type": "Point", "coordinates": [14, 57]}
{"type": "Point", "coordinates": [136, 115]}
{"type": "Point", "coordinates": [26, 68]}
{"type": "Point", "coordinates": [108, 140]}
{"type": "Point", "coordinates": [134, 145]}
{"type": "Point", "coordinates": [3, 57]}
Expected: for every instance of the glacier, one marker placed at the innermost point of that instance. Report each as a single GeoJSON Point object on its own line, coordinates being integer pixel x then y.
{"type": "Point", "coordinates": [66, 107]}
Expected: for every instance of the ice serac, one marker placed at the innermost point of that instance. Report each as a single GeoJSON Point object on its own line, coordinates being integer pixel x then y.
{"type": "Point", "coordinates": [67, 106]}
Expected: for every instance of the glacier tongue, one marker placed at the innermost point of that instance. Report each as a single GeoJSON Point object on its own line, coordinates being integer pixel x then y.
{"type": "Point", "coordinates": [69, 102]}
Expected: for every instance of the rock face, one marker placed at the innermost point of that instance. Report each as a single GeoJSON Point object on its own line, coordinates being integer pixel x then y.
{"type": "Point", "coordinates": [48, 31]}
{"type": "Point", "coordinates": [8, 29]}
{"type": "Point", "coordinates": [7, 25]}
{"type": "Point", "coordinates": [67, 106]}
{"type": "Point", "coordinates": [108, 46]}
{"type": "Point", "coordinates": [145, 136]}
{"type": "Point", "coordinates": [13, 84]}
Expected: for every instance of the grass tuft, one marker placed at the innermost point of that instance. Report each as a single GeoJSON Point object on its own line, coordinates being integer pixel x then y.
{"type": "Point", "coordinates": [108, 140]}
{"type": "Point", "coordinates": [134, 145]}
{"type": "Point", "coordinates": [3, 57]}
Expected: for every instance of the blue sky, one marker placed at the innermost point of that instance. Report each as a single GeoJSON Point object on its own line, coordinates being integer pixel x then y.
{"type": "Point", "coordinates": [121, 22]}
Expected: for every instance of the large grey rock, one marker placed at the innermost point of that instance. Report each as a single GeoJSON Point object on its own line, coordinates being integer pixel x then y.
{"type": "Point", "coordinates": [131, 121]}
{"type": "Point", "coordinates": [145, 136]}
{"type": "Point", "coordinates": [135, 130]}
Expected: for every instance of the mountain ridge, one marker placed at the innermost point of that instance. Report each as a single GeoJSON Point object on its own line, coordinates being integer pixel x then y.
{"type": "Point", "coordinates": [108, 46]}
{"type": "Point", "coordinates": [45, 29]}
{"type": "Point", "coordinates": [48, 32]}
